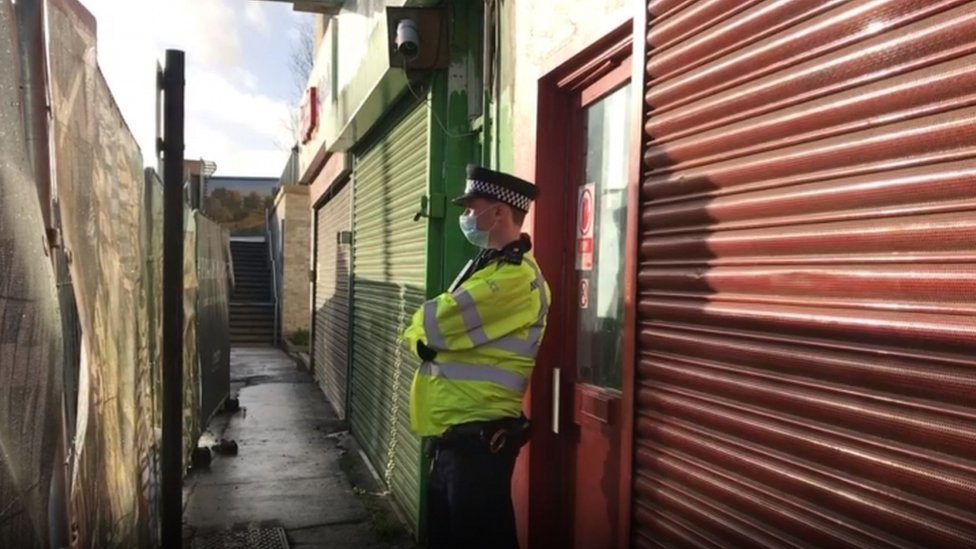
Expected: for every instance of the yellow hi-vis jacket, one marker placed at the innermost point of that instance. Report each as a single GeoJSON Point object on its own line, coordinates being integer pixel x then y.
{"type": "Point", "coordinates": [486, 335]}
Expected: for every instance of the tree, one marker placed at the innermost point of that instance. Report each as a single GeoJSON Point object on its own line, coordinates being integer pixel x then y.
{"type": "Point", "coordinates": [253, 202]}
{"type": "Point", "coordinates": [224, 206]}
{"type": "Point", "coordinates": [300, 63]}
{"type": "Point", "coordinates": [302, 59]}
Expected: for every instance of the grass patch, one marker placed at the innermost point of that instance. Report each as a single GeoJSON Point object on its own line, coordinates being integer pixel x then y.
{"type": "Point", "coordinates": [299, 338]}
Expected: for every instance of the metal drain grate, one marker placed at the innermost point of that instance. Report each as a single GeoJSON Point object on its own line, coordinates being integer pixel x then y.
{"type": "Point", "coordinates": [244, 538]}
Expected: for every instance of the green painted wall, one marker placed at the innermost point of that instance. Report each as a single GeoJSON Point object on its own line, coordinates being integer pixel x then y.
{"type": "Point", "coordinates": [455, 103]}
{"type": "Point", "coordinates": [455, 140]}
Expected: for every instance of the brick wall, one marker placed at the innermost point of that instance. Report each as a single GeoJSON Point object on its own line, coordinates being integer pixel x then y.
{"type": "Point", "coordinates": [293, 208]}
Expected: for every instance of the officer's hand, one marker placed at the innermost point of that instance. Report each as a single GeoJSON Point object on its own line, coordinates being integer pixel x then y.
{"type": "Point", "coordinates": [425, 353]}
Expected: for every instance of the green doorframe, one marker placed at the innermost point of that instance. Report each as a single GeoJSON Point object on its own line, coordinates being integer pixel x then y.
{"type": "Point", "coordinates": [454, 140]}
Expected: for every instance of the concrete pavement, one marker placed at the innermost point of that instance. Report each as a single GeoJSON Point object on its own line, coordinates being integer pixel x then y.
{"type": "Point", "coordinates": [289, 468]}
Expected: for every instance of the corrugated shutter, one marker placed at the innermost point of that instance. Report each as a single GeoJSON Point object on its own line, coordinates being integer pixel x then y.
{"type": "Point", "coordinates": [388, 272]}
{"type": "Point", "coordinates": [332, 265]}
{"type": "Point", "coordinates": [808, 238]}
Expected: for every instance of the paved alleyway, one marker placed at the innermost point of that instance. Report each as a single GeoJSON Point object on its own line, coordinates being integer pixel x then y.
{"type": "Point", "coordinates": [287, 472]}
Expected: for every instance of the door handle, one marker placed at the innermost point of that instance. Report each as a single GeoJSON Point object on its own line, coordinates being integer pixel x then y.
{"type": "Point", "coordinates": [432, 207]}
{"type": "Point", "coordinates": [555, 399]}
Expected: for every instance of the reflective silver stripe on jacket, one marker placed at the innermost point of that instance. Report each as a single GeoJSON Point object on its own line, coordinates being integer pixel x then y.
{"type": "Point", "coordinates": [472, 320]}
{"type": "Point", "coordinates": [529, 346]}
{"type": "Point", "coordinates": [434, 338]}
{"type": "Point", "coordinates": [474, 326]}
{"type": "Point", "coordinates": [456, 371]}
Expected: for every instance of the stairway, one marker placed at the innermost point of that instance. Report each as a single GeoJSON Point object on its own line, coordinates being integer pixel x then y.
{"type": "Point", "coordinates": [251, 307]}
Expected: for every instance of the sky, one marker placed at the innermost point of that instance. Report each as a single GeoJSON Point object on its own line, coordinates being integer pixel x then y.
{"type": "Point", "coordinates": [240, 90]}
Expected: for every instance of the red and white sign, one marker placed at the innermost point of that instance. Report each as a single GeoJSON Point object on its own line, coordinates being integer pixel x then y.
{"type": "Point", "coordinates": [584, 293]}
{"type": "Point", "coordinates": [309, 114]}
{"type": "Point", "coordinates": [584, 228]}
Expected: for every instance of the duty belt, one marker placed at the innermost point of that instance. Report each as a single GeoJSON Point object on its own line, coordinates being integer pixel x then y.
{"type": "Point", "coordinates": [494, 435]}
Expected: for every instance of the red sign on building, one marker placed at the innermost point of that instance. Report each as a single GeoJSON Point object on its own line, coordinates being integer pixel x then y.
{"type": "Point", "coordinates": [310, 114]}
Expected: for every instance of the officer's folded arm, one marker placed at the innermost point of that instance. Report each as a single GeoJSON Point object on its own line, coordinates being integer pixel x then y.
{"type": "Point", "coordinates": [489, 307]}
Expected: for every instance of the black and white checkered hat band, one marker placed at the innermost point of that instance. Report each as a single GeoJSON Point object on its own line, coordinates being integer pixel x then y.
{"type": "Point", "coordinates": [502, 194]}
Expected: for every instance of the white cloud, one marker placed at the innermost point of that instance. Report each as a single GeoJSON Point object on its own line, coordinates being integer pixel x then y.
{"type": "Point", "coordinates": [247, 78]}
{"type": "Point", "coordinates": [215, 97]}
{"type": "Point", "coordinates": [211, 29]}
{"type": "Point", "coordinates": [228, 119]}
{"type": "Point", "coordinates": [257, 16]}
{"type": "Point", "coordinates": [230, 157]}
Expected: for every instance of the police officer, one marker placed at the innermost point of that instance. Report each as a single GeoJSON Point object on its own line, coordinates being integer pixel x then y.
{"type": "Point", "coordinates": [478, 343]}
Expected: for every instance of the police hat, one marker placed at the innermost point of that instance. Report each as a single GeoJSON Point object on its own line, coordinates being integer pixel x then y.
{"type": "Point", "coordinates": [502, 187]}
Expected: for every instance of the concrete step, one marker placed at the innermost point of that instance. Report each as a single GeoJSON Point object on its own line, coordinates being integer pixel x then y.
{"type": "Point", "coordinates": [255, 271]}
{"type": "Point", "coordinates": [266, 335]}
{"type": "Point", "coordinates": [252, 297]}
{"type": "Point", "coordinates": [257, 329]}
{"type": "Point", "coordinates": [252, 278]}
{"type": "Point", "coordinates": [251, 288]}
{"type": "Point", "coordinates": [250, 314]}
{"type": "Point", "coordinates": [250, 325]}
{"type": "Point", "coordinates": [263, 341]}
{"type": "Point", "coordinates": [246, 310]}
{"type": "Point", "coordinates": [251, 306]}
{"type": "Point", "coordinates": [250, 258]}
{"type": "Point", "coordinates": [252, 281]}
{"type": "Point", "coordinates": [255, 268]}
{"type": "Point", "coordinates": [252, 284]}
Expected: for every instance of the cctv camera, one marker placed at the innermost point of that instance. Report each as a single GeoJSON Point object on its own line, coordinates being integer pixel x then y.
{"type": "Point", "coordinates": [407, 41]}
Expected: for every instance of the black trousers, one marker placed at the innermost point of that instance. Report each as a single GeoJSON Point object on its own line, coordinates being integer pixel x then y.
{"type": "Point", "coordinates": [469, 496]}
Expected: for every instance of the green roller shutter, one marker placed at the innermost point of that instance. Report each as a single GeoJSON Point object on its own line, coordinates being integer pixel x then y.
{"type": "Point", "coordinates": [330, 343]}
{"type": "Point", "coordinates": [388, 286]}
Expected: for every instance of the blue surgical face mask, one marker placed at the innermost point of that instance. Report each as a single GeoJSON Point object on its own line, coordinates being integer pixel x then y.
{"type": "Point", "coordinates": [469, 226]}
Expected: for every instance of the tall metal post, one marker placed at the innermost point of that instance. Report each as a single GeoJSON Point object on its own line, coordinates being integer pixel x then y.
{"type": "Point", "coordinates": [172, 450]}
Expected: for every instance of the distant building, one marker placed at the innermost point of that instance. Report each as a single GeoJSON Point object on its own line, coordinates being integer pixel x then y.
{"type": "Point", "coordinates": [239, 203]}
{"type": "Point", "coordinates": [263, 186]}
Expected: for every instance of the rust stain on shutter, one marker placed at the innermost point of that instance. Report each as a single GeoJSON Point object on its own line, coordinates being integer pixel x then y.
{"type": "Point", "coordinates": [807, 276]}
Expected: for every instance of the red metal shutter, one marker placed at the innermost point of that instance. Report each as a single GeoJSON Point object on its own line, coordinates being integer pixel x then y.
{"type": "Point", "coordinates": [807, 369]}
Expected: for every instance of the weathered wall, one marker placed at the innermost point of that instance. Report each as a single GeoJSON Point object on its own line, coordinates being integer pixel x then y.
{"type": "Point", "coordinates": [536, 38]}
{"type": "Point", "coordinates": [337, 166]}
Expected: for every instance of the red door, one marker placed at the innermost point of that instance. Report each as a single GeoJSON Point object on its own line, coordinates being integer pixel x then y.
{"type": "Point", "coordinates": [590, 379]}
